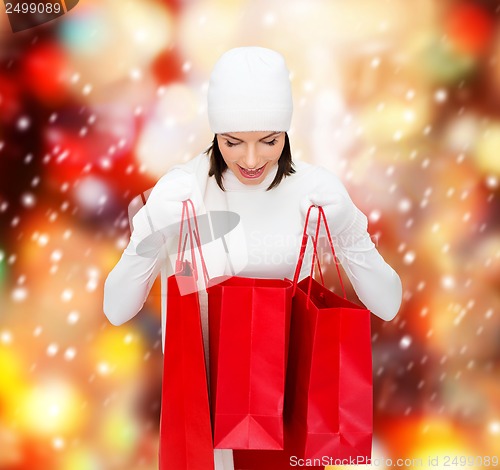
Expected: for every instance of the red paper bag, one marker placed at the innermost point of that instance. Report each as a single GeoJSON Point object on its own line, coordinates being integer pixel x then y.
{"type": "Point", "coordinates": [328, 397]}
{"type": "Point", "coordinates": [329, 384]}
{"type": "Point", "coordinates": [249, 323]}
{"type": "Point", "coordinates": [185, 430]}
{"type": "Point", "coordinates": [285, 459]}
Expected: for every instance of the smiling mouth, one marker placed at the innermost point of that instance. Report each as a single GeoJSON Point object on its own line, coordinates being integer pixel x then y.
{"type": "Point", "coordinates": [252, 173]}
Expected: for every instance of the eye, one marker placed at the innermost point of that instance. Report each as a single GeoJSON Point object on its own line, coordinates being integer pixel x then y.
{"type": "Point", "coordinates": [272, 142]}
{"type": "Point", "coordinates": [230, 144]}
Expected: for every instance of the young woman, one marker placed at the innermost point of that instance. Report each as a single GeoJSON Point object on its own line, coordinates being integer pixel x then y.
{"type": "Point", "coordinates": [248, 172]}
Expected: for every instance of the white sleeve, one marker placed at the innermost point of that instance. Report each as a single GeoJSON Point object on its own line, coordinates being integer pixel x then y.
{"type": "Point", "coordinates": [127, 286]}
{"type": "Point", "coordinates": [376, 283]}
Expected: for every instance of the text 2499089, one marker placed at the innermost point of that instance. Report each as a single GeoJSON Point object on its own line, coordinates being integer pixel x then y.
{"type": "Point", "coordinates": [455, 461]}
{"type": "Point", "coordinates": [33, 7]}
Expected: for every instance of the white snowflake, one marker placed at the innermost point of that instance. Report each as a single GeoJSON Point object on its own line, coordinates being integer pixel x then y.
{"type": "Point", "coordinates": [52, 349]}
{"type": "Point", "coordinates": [405, 342]}
{"type": "Point", "coordinates": [73, 317]}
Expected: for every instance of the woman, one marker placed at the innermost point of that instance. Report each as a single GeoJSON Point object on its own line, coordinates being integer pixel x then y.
{"type": "Point", "coordinates": [248, 171]}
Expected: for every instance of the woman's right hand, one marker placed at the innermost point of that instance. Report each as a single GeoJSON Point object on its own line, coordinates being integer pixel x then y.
{"type": "Point", "coordinates": [160, 217]}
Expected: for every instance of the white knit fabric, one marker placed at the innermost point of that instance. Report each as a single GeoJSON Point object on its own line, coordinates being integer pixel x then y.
{"type": "Point", "coordinates": [268, 245]}
{"type": "Point", "coordinates": [249, 90]}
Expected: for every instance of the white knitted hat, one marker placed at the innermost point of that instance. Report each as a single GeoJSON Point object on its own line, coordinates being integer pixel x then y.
{"type": "Point", "coordinates": [249, 90]}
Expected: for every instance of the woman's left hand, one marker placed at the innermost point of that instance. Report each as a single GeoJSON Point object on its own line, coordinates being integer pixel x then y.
{"type": "Point", "coordinates": [339, 210]}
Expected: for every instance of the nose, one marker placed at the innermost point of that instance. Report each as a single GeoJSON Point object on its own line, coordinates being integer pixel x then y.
{"type": "Point", "coordinates": [250, 160]}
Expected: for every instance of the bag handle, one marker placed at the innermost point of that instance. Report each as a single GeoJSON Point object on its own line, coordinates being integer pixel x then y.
{"type": "Point", "coordinates": [193, 233]}
{"type": "Point", "coordinates": [180, 253]}
{"type": "Point", "coordinates": [315, 258]}
{"type": "Point", "coordinates": [302, 252]}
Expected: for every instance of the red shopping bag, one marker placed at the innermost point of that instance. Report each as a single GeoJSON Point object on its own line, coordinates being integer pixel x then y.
{"type": "Point", "coordinates": [185, 429]}
{"type": "Point", "coordinates": [249, 323]}
{"type": "Point", "coordinates": [328, 398]}
{"type": "Point", "coordinates": [329, 383]}
{"type": "Point", "coordinates": [285, 459]}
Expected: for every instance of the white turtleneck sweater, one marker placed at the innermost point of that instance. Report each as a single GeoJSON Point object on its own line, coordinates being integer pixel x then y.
{"type": "Point", "coordinates": [271, 226]}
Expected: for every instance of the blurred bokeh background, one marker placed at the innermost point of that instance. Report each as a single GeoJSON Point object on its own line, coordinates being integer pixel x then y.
{"type": "Point", "coordinates": [400, 98]}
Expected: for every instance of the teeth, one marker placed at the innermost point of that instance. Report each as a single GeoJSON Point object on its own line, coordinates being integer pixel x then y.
{"type": "Point", "coordinates": [252, 172]}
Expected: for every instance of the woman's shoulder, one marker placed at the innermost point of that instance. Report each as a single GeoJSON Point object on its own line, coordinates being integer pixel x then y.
{"type": "Point", "coordinates": [198, 163]}
{"type": "Point", "coordinates": [196, 167]}
{"type": "Point", "coordinates": [317, 176]}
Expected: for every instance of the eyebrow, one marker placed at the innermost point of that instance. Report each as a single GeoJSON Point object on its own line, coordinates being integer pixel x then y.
{"type": "Point", "coordinates": [236, 138]}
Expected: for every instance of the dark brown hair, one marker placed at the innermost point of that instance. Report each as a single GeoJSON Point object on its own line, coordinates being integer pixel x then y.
{"type": "Point", "coordinates": [218, 165]}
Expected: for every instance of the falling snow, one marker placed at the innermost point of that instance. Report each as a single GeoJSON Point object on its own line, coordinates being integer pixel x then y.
{"type": "Point", "coordinates": [426, 176]}
{"type": "Point", "coordinates": [405, 342]}
{"type": "Point", "coordinates": [73, 317]}
{"type": "Point", "coordinates": [52, 349]}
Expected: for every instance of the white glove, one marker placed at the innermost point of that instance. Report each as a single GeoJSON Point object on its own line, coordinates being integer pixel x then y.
{"type": "Point", "coordinates": [340, 214]}
{"type": "Point", "coordinates": [160, 217]}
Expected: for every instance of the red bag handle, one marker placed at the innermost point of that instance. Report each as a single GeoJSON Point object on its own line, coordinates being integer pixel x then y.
{"type": "Point", "coordinates": [196, 234]}
{"type": "Point", "coordinates": [192, 233]}
{"type": "Point", "coordinates": [315, 252]}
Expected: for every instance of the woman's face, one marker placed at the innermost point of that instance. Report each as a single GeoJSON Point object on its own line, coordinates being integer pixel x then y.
{"type": "Point", "coordinates": [251, 155]}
